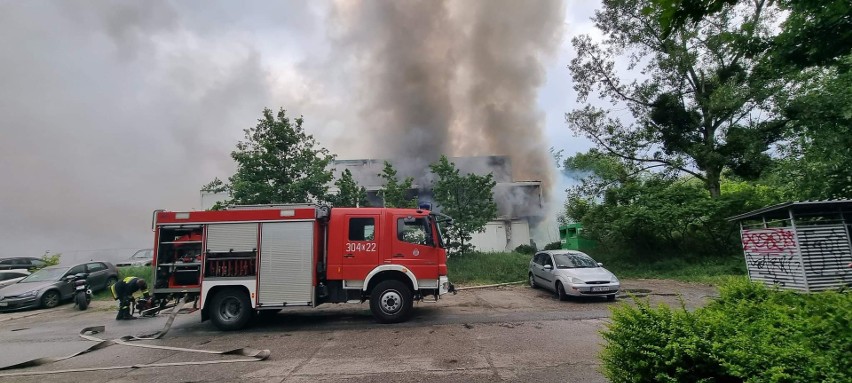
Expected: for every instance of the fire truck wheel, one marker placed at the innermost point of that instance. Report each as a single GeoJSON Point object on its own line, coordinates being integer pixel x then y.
{"type": "Point", "coordinates": [391, 302]}
{"type": "Point", "coordinates": [230, 309]}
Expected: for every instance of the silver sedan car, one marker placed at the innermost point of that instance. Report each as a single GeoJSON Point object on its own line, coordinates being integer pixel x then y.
{"type": "Point", "coordinates": [571, 273]}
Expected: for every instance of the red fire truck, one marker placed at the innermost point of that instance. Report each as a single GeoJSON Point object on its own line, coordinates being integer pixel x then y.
{"type": "Point", "coordinates": [238, 262]}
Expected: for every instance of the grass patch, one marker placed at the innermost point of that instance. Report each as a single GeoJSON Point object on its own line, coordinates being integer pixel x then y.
{"type": "Point", "coordinates": [487, 268]}
{"type": "Point", "coordinates": [707, 270]}
{"type": "Point", "coordinates": [144, 272]}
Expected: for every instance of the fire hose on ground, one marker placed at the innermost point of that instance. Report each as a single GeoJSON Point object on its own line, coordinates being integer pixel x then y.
{"type": "Point", "coordinates": [249, 354]}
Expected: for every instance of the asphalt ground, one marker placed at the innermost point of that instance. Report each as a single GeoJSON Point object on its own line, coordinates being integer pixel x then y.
{"type": "Point", "coordinates": [509, 333]}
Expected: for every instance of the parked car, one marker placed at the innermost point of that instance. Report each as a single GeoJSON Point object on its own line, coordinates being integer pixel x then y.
{"type": "Point", "coordinates": [140, 258]}
{"type": "Point", "coordinates": [48, 287]}
{"type": "Point", "coordinates": [25, 263]}
{"type": "Point", "coordinates": [8, 277]}
{"type": "Point", "coordinates": [571, 273]}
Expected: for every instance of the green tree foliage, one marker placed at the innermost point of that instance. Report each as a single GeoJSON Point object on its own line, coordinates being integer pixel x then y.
{"type": "Point", "coordinates": [469, 199]}
{"type": "Point", "coordinates": [277, 163]}
{"type": "Point", "coordinates": [51, 259]}
{"type": "Point", "coordinates": [815, 32]}
{"type": "Point", "coordinates": [649, 216]}
{"type": "Point", "coordinates": [818, 153]}
{"type": "Point", "coordinates": [703, 102]}
{"type": "Point", "coordinates": [215, 186]}
{"type": "Point", "coordinates": [395, 193]}
{"type": "Point", "coordinates": [350, 194]}
{"type": "Point", "coordinates": [749, 334]}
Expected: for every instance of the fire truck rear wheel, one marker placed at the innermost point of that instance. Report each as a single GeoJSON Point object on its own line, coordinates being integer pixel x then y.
{"type": "Point", "coordinates": [391, 302]}
{"type": "Point", "coordinates": [230, 309]}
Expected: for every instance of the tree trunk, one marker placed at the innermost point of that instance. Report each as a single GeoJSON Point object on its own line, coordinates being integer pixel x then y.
{"type": "Point", "coordinates": [713, 182]}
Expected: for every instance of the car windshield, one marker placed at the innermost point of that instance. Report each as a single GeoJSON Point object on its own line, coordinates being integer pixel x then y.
{"type": "Point", "coordinates": [573, 261]}
{"type": "Point", "coordinates": [143, 254]}
{"type": "Point", "coordinates": [45, 275]}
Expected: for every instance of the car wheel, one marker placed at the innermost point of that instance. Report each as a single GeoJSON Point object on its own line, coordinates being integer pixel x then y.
{"type": "Point", "coordinates": [532, 281]}
{"type": "Point", "coordinates": [610, 297]}
{"type": "Point", "coordinates": [391, 302]}
{"type": "Point", "coordinates": [50, 299]}
{"type": "Point", "coordinates": [230, 309]}
{"type": "Point", "coordinates": [560, 291]}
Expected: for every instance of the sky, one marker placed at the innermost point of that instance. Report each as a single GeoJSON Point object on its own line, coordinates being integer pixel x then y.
{"type": "Point", "coordinates": [112, 109]}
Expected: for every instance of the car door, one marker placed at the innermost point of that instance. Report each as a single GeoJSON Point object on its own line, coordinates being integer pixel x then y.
{"type": "Point", "coordinates": [98, 275]}
{"type": "Point", "coordinates": [66, 289]}
{"type": "Point", "coordinates": [535, 268]}
{"type": "Point", "coordinates": [547, 276]}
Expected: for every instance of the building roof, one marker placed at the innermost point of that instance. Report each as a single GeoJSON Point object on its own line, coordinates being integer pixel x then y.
{"type": "Point", "coordinates": [799, 207]}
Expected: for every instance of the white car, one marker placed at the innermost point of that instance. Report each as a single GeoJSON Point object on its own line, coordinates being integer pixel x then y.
{"type": "Point", "coordinates": [8, 277]}
{"type": "Point", "coordinates": [572, 273]}
{"type": "Point", "coordinates": [140, 258]}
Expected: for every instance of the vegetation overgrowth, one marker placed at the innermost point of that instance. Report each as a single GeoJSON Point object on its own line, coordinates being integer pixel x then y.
{"type": "Point", "coordinates": [751, 333]}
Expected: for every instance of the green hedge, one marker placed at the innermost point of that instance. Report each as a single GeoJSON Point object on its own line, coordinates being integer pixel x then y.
{"type": "Point", "coordinates": [749, 334]}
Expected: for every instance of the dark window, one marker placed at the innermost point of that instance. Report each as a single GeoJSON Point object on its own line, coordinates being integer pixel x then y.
{"type": "Point", "coordinates": [414, 230]}
{"type": "Point", "coordinates": [7, 262]}
{"type": "Point", "coordinates": [547, 260]}
{"type": "Point", "coordinates": [362, 229]}
{"type": "Point", "coordinates": [97, 266]}
{"type": "Point", "coordinates": [76, 270]}
{"type": "Point", "coordinates": [37, 263]}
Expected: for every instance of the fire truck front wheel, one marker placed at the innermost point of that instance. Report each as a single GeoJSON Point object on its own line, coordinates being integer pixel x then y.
{"type": "Point", "coordinates": [391, 302]}
{"type": "Point", "coordinates": [230, 309]}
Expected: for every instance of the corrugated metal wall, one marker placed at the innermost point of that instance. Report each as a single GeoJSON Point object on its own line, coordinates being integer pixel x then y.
{"type": "Point", "coordinates": [231, 236]}
{"type": "Point", "coordinates": [826, 254]}
{"type": "Point", "coordinates": [809, 258]}
{"type": "Point", "coordinates": [772, 257]}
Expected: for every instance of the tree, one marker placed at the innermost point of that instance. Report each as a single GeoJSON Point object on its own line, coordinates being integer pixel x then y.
{"type": "Point", "coordinates": [350, 194]}
{"type": "Point", "coordinates": [705, 100]}
{"type": "Point", "coordinates": [815, 33]}
{"type": "Point", "coordinates": [818, 151]}
{"type": "Point", "coordinates": [278, 163]}
{"type": "Point", "coordinates": [395, 193]}
{"type": "Point", "coordinates": [468, 199]}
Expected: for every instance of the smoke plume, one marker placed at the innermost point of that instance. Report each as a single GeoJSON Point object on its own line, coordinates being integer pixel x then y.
{"type": "Point", "coordinates": [458, 78]}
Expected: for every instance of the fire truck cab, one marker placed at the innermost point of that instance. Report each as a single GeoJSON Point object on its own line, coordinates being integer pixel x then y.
{"type": "Point", "coordinates": [238, 262]}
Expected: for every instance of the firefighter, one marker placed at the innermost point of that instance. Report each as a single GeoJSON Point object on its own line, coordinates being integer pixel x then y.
{"type": "Point", "coordinates": [123, 292]}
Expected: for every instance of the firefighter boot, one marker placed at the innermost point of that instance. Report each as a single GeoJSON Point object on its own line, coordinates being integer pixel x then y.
{"type": "Point", "coordinates": [124, 313]}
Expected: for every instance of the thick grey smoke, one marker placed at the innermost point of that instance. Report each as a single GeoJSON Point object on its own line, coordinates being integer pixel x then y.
{"type": "Point", "coordinates": [112, 108]}
{"type": "Point", "coordinates": [458, 78]}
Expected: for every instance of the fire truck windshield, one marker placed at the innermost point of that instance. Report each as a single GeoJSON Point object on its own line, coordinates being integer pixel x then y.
{"type": "Point", "coordinates": [440, 220]}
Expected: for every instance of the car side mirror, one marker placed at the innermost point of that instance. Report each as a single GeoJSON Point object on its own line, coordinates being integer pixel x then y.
{"type": "Point", "coordinates": [548, 267]}
{"type": "Point", "coordinates": [600, 264]}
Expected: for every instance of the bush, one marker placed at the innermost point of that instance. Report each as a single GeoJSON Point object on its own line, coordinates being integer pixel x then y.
{"type": "Point", "coordinates": [51, 259]}
{"type": "Point", "coordinates": [525, 249]}
{"type": "Point", "coordinates": [749, 334]}
{"type": "Point", "coordinates": [553, 246]}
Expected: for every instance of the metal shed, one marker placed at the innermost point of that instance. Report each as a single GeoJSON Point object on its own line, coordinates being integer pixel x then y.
{"type": "Point", "coordinates": [802, 246]}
